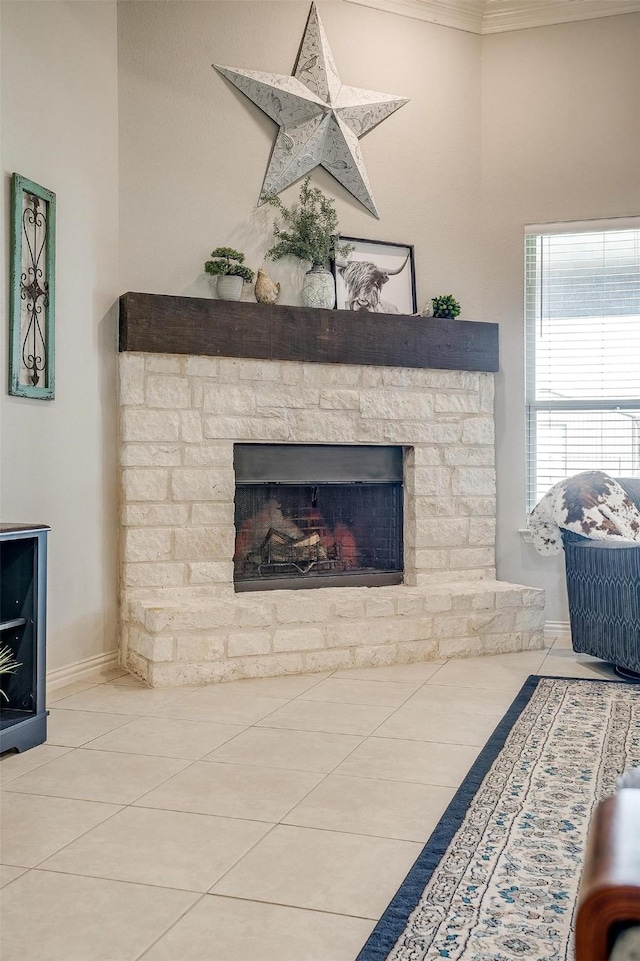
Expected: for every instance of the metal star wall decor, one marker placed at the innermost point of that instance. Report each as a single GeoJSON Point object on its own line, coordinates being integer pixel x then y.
{"type": "Point", "coordinates": [320, 119]}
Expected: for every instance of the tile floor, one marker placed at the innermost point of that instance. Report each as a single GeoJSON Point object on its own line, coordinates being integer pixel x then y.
{"type": "Point", "coordinates": [262, 820]}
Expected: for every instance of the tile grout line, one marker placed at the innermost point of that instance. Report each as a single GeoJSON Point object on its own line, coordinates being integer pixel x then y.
{"type": "Point", "coordinates": [229, 897]}
{"type": "Point", "coordinates": [295, 907]}
{"type": "Point", "coordinates": [23, 871]}
{"type": "Point", "coordinates": [63, 748]}
{"type": "Point", "coordinates": [120, 727]}
{"type": "Point", "coordinates": [424, 683]}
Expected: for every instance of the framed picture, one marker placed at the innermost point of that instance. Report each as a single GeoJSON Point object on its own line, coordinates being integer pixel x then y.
{"type": "Point", "coordinates": [32, 286]}
{"type": "Point", "coordinates": [376, 276]}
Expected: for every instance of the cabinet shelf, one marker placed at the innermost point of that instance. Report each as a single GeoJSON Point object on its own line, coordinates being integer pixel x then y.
{"type": "Point", "coordinates": [8, 718]}
{"type": "Point", "coordinates": [9, 625]}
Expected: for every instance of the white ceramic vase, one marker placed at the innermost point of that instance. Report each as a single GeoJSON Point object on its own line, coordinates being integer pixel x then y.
{"type": "Point", "coordinates": [319, 288]}
{"type": "Point", "coordinates": [229, 287]}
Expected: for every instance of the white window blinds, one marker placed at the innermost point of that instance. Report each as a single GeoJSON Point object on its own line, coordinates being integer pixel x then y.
{"type": "Point", "coordinates": [582, 314]}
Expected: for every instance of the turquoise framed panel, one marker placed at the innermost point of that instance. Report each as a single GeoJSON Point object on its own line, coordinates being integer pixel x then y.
{"type": "Point", "coordinates": [32, 294]}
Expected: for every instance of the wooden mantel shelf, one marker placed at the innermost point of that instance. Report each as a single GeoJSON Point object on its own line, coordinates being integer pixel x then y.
{"type": "Point", "coordinates": [157, 323]}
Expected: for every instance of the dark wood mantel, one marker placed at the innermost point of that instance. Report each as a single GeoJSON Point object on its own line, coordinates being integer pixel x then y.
{"type": "Point", "coordinates": [157, 323]}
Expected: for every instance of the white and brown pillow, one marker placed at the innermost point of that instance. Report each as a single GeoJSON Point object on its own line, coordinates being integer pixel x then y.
{"type": "Point", "coordinates": [592, 504]}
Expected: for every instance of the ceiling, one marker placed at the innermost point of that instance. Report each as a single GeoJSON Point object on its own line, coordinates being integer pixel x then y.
{"type": "Point", "coordinates": [497, 16]}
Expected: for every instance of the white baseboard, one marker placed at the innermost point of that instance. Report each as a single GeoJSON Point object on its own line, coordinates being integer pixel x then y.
{"type": "Point", "coordinates": [85, 670]}
{"type": "Point", "coordinates": [557, 629]}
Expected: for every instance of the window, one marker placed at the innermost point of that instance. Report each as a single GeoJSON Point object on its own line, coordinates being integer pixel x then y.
{"type": "Point", "coordinates": [582, 315]}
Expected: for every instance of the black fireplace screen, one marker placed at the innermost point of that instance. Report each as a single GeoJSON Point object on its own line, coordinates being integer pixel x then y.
{"type": "Point", "coordinates": [317, 515]}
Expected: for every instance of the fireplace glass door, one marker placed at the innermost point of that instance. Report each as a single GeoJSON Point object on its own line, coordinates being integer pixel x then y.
{"type": "Point", "coordinates": [315, 515]}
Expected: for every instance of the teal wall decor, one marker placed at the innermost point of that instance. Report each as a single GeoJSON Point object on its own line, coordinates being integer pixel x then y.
{"type": "Point", "coordinates": [32, 302]}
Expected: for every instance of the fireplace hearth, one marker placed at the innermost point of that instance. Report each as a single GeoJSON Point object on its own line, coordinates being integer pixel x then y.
{"type": "Point", "coordinates": [314, 515]}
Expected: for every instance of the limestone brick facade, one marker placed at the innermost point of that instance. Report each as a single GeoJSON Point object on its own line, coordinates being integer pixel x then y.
{"type": "Point", "coordinates": [181, 618]}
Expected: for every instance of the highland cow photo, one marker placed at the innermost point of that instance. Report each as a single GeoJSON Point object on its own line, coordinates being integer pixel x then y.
{"type": "Point", "coordinates": [377, 277]}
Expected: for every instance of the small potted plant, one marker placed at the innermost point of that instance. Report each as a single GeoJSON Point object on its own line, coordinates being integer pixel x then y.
{"type": "Point", "coordinates": [445, 306]}
{"type": "Point", "coordinates": [227, 265]}
{"type": "Point", "coordinates": [310, 234]}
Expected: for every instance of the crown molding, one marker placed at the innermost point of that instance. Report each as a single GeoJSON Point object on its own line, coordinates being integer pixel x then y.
{"type": "Point", "coordinates": [459, 14]}
{"type": "Point", "coordinates": [502, 15]}
{"type": "Point", "coordinates": [499, 16]}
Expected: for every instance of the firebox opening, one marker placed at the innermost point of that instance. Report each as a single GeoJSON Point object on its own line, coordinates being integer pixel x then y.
{"type": "Point", "coordinates": [317, 515]}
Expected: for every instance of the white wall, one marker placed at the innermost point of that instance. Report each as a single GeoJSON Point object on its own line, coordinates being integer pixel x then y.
{"type": "Point", "coordinates": [560, 142]}
{"type": "Point", "coordinates": [59, 128]}
{"type": "Point", "coordinates": [194, 150]}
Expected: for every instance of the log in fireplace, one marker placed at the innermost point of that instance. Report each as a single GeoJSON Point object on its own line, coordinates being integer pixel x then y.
{"type": "Point", "coordinates": [317, 515]}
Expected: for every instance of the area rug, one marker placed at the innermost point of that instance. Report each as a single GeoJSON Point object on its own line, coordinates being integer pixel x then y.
{"type": "Point", "coordinates": [499, 877]}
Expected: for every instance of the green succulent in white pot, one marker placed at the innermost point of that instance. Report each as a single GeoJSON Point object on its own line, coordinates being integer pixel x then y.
{"type": "Point", "coordinates": [227, 264]}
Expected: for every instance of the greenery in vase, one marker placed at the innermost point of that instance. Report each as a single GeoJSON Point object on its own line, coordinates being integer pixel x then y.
{"type": "Point", "coordinates": [228, 262]}
{"type": "Point", "coordinates": [445, 306]}
{"type": "Point", "coordinates": [8, 664]}
{"type": "Point", "coordinates": [310, 230]}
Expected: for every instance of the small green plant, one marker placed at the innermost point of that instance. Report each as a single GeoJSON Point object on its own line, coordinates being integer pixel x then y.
{"type": "Point", "coordinates": [312, 230]}
{"type": "Point", "coordinates": [226, 260]}
{"type": "Point", "coordinates": [445, 306]}
{"type": "Point", "coordinates": [8, 664]}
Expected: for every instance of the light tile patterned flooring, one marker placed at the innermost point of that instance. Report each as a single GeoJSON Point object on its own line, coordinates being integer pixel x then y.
{"type": "Point", "coordinates": [262, 820]}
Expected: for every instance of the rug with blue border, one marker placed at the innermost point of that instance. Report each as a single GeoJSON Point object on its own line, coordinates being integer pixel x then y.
{"type": "Point", "coordinates": [499, 877]}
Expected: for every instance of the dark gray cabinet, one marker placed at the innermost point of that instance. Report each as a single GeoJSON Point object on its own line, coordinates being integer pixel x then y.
{"type": "Point", "coordinates": [23, 583]}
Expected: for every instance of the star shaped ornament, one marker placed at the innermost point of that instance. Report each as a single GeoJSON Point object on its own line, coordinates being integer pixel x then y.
{"type": "Point", "coordinates": [320, 119]}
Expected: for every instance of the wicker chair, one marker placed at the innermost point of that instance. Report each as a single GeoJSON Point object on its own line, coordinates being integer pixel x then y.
{"type": "Point", "coordinates": [603, 587]}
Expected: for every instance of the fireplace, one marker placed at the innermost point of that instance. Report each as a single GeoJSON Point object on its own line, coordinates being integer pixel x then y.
{"type": "Point", "coordinates": [208, 442]}
{"type": "Point", "coordinates": [316, 515]}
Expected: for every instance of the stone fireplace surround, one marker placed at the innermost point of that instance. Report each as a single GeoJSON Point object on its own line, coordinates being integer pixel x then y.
{"type": "Point", "coordinates": [182, 621]}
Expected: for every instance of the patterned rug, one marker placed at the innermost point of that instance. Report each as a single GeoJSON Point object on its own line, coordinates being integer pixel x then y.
{"type": "Point", "coordinates": [499, 877]}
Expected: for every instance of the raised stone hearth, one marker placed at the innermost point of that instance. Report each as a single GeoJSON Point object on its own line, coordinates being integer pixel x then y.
{"type": "Point", "coordinates": [182, 621]}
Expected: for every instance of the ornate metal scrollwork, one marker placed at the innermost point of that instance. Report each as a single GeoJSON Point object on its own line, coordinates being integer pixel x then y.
{"type": "Point", "coordinates": [31, 364]}
{"type": "Point", "coordinates": [34, 288]}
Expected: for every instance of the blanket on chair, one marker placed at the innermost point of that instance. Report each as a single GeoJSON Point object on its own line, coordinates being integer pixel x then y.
{"type": "Point", "coordinates": [592, 504]}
